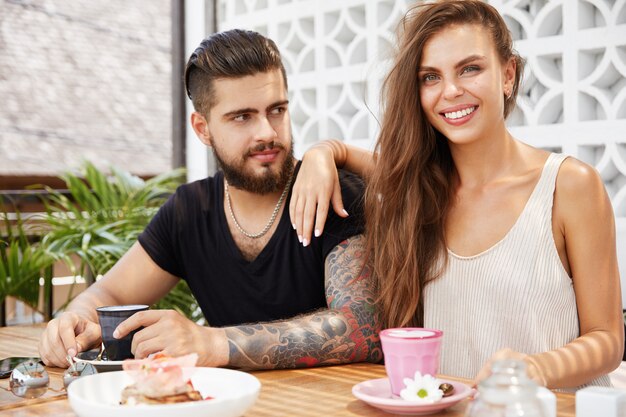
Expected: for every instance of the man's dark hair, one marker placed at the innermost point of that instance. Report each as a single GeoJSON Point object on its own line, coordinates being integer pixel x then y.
{"type": "Point", "coordinates": [230, 54]}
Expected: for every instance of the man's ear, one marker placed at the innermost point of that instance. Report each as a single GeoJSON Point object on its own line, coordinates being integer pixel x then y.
{"type": "Point", "coordinates": [201, 127]}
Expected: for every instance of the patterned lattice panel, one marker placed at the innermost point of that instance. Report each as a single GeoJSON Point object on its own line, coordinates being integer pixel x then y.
{"type": "Point", "coordinates": [573, 97]}
{"type": "Point", "coordinates": [574, 93]}
{"type": "Point", "coordinates": [335, 54]}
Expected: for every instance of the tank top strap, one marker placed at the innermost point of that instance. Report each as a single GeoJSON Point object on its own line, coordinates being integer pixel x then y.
{"type": "Point", "coordinates": [539, 206]}
{"type": "Point", "coordinates": [547, 182]}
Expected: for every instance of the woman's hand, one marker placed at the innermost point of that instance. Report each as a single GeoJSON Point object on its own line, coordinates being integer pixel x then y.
{"type": "Point", "coordinates": [532, 369]}
{"type": "Point", "coordinates": [316, 186]}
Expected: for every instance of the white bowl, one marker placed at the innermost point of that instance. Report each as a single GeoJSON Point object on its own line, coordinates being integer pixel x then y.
{"type": "Point", "coordinates": [99, 395]}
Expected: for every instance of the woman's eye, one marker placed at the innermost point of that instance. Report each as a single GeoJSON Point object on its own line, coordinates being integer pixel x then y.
{"type": "Point", "coordinates": [470, 68]}
{"type": "Point", "coordinates": [430, 78]}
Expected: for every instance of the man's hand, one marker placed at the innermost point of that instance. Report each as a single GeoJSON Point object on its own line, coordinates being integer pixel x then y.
{"type": "Point", "coordinates": [171, 333]}
{"type": "Point", "coordinates": [68, 334]}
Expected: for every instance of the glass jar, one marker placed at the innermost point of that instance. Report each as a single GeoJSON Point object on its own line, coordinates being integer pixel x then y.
{"type": "Point", "coordinates": [508, 392]}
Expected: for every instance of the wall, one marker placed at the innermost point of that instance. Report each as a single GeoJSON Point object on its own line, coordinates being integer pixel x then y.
{"type": "Point", "coordinates": [82, 79]}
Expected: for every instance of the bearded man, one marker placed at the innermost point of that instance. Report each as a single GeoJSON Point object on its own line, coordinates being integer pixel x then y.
{"type": "Point", "coordinates": [272, 299]}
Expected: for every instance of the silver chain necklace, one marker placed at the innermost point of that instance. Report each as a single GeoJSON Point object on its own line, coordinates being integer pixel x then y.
{"type": "Point", "coordinates": [272, 218]}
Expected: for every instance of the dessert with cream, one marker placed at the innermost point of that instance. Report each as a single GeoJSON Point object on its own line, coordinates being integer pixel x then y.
{"type": "Point", "coordinates": [160, 379]}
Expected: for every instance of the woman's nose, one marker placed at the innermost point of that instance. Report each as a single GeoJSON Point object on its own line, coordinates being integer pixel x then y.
{"type": "Point", "coordinates": [452, 89]}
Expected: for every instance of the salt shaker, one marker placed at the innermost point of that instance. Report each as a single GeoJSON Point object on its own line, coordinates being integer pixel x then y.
{"type": "Point", "coordinates": [600, 401]}
{"type": "Point", "coordinates": [508, 392]}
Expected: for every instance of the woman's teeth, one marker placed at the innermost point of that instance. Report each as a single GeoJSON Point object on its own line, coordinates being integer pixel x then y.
{"type": "Point", "coordinates": [460, 113]}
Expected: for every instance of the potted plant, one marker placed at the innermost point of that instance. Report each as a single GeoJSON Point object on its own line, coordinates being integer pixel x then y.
{"type": "Point", "coordinates": [102, 220]}
{"type": "Point", "coordinates": [22, 264]}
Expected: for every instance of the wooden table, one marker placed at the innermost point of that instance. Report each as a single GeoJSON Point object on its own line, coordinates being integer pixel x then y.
{"type": "Point", "coordinates": [310, 392]}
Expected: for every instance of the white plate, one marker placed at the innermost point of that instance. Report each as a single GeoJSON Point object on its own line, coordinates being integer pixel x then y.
{"type": "Point", "coordinates": [233, 393]}
{"type": "Point", "coordinates": [377, 393]}
{"type": "Point", "coordinates": [90, 356]}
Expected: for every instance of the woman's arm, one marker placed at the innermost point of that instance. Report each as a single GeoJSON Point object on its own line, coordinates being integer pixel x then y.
{"type": "Point", "coordinates": [584, 215]}
{"type": "Point", "coordinates": [317, 184]}
{"type": "Point", "coordinates": [351, 158]}
{"type": "Point", "coordinates": [584, 231]}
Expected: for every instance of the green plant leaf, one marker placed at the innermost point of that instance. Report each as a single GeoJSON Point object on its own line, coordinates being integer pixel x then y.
{"type": "Point", "coordinates": [104, 217]}
{"type": "Point", "coordinates": [20, 271]}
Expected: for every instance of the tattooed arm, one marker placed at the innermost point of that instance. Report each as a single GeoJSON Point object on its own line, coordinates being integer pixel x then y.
{"type": "Point", "coordinates": [345, 332]}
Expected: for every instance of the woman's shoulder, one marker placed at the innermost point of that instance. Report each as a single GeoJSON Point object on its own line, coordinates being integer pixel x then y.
{"type": "Point", "coordinates": [576, 178]}
{"type": "Point", "coordinates": [580, 194]}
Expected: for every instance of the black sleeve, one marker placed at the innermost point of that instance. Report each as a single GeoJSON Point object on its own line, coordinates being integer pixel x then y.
{"type": "Point", "coordinates": [159, 238]}
{"type": "Point", "coordinates": [338, 229]}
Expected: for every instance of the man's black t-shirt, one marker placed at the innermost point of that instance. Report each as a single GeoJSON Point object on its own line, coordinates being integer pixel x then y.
{"type": "Point", "coordinates": [189, 238]}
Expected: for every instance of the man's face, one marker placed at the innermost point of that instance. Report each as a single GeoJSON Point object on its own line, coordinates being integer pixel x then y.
{"type": "Point", "coordinates": [249, 130]}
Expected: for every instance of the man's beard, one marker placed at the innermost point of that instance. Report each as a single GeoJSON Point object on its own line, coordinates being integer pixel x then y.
{"type": "Point", "coordinates": [268, 182]}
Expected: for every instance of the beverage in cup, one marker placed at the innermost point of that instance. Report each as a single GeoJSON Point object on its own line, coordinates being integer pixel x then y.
{"type": "Point", "coordinates": [407, 350]}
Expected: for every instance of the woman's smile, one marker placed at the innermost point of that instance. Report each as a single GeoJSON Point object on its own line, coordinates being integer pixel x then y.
{"type": "Point", "coordinates": [459, 115]}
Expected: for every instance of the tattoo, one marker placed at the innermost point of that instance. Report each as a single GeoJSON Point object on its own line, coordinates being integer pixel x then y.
{"type": "Point", "coordinates": [345, 332]}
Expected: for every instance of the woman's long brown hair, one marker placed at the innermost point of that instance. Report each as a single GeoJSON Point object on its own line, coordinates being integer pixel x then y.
{"type": "Point", "coordinates": [409, 192]}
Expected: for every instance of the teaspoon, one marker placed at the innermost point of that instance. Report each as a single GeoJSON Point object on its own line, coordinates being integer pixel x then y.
{"type": "Point", "coordinates": [77, 370]}
{"type": "Point", "coordinates": [99, 357]}
{"type": "Point", "coordinates": [29, 380]}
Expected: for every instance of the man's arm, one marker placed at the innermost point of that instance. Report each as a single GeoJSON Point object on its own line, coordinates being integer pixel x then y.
{"type": "Point", "coordinates": [345, 332]}
{"type": "Point", "coordinates": [135, 279]}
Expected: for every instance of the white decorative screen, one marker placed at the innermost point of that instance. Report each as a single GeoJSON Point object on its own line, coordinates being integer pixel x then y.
{"type": "Point", "coordinates": [335, 55]}
{"type": "Point", "coordinates": [573, 98]}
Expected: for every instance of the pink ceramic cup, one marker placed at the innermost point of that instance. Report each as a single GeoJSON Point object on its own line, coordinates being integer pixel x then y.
{"type": "Point", "coordinates": [407, 350]}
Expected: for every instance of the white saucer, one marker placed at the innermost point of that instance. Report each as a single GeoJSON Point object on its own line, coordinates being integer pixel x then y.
{"type": "Point", "coordinates": [90, 356]}
{"type": "Point", "coordinates": [377, 393]}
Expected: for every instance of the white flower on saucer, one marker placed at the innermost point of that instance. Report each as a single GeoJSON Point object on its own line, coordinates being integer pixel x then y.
{"type": "Point", "coordinates": [424, 389]}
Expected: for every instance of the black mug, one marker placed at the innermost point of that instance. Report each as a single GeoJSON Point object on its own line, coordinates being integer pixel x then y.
{"type": "Point", "coordinates": [110, 317]}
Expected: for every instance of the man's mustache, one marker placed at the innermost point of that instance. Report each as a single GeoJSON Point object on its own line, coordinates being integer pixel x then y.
{"type": "Point", "coordinates": [264, 147]}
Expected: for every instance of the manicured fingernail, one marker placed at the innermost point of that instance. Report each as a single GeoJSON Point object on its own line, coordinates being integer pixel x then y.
{"type": "Point", "coordinates": [317, 233]}
{"type": "Point", "coordinates": [71, 352]}
{"type": "Point", "coordinates": [293, 225]}
{"type": "Point", "coordinates": [305, 243]}
{"type": "Point", "coordinates": [300, 238]}
{"type": "Point", "coordinates": [116, 333]}
{"type": "Point", "coordinates": [345, 212]}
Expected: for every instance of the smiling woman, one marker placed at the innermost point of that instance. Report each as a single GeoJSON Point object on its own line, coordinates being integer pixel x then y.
{"type": "Point", "coordinates": [470, 230]}
{"type": "Point", "coordinates": [461, 79]}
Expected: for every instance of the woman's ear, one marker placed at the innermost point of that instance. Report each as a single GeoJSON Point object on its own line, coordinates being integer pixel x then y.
{"type": "Point", "coordinates": [509, 76]}
{"type": "Point", "coordinates": [200, 125]}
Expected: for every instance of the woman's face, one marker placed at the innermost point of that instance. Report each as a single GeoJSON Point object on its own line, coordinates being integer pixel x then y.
{"type": "Point", "coordinates": [463, 83]}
